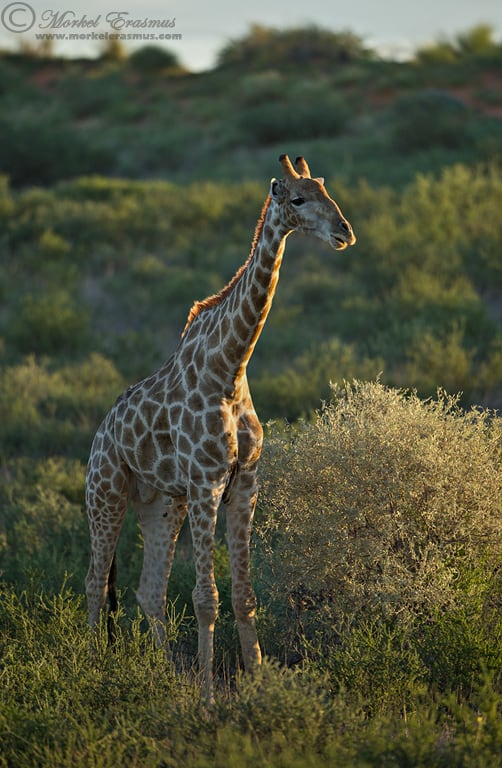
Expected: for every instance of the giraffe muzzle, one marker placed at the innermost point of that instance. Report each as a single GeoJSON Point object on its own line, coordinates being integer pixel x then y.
{"type": "Point", "coordinates": [343, 237]}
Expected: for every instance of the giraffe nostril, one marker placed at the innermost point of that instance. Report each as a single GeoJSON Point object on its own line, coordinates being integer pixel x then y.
{"type": "Point", "coordinates": [344, 226]}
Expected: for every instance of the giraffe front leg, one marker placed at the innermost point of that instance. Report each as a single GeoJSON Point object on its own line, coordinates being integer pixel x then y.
{"type": "Point", "coordinates": [202, 511]}
{"type": "Point", "coordinates": [240, 506]}
{"type": "Point", "coordinates": [160, 520]}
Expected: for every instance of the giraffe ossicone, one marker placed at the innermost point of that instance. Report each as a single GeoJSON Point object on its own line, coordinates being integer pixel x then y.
{"type": "Point", "coordinates": [188, 438]}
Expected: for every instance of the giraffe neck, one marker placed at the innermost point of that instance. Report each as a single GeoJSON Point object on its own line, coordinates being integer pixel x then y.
{"type": "Point", "coordinates": [237, 319]}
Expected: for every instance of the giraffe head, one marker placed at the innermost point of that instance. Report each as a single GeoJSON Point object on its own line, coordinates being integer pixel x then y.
{"type": "Point", "coordinates": [304, 205]}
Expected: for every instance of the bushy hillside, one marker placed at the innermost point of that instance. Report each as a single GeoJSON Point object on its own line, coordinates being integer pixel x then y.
{"type": "Point", "coordinates": [112, 267]}
{"type": "Point", "coordinates": [319, 92]}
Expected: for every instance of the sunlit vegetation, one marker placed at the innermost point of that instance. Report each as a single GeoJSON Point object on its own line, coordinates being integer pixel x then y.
{"type": "Point", "coordinates": [131, 188]}
{"type": "Point", "coordinates": [109, 266]}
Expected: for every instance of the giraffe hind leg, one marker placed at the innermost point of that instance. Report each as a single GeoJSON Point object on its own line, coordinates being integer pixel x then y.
{"type": "Point", "coordinates": [113, 600]}
{"type": "Point", "coordinates": [106, 510]}
{"type": "Point", "coordinates": [101, 583]}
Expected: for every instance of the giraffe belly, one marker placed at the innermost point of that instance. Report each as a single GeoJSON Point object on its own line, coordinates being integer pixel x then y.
{"type": "Point", "coordinates": [164, 476]}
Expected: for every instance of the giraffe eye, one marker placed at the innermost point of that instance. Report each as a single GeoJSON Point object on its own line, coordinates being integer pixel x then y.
{"type": "Point", "coordinates": [298, 201]}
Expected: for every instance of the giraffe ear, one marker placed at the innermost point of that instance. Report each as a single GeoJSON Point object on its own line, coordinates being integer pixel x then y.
{"type": "Point", "coordinates": [276, 189]}
{"type": "Point", "coordinates": [320, 179]}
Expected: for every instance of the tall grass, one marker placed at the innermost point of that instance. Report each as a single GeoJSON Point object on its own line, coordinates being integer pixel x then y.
{"type": "Point", "coordinates": [62, 706]}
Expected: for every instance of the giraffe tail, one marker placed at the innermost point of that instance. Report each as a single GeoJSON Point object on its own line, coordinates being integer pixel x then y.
{"type": "Point", "coordinates": [112, 596]}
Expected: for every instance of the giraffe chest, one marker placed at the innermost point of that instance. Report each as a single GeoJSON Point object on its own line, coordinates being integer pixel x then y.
{"type": "Point", "coordinates": [166, 444]}
{"type": "Point", "coordinates": [205, 438]}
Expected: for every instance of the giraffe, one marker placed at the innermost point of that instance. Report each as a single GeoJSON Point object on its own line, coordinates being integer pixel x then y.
{"type": "Point", "coordinates": [187, 438]}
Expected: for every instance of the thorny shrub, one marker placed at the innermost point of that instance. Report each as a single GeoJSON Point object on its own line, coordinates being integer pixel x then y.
{"type": "Point", "coordinates": [387, 507]}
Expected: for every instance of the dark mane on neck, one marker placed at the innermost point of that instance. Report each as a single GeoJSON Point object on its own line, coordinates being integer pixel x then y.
{"type": "Point", "coordinates": [217, 298]}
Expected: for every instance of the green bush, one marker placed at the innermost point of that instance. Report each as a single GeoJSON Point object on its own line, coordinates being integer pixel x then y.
{"type": "Point", "coordinates": [430, 119]}
{"type": "Point", "coordinates": [447, 359]}
{"type": "Point", "coordinates": [475, 43]}
{"type": "Point", "coordinates": [92, 94]}
{"type": "Point", "coordinates": [51, 325]}
{"type": "Point", "coordinates": [151, 58]}
{"type": "Point", "coordinates": [295, 392]}
{"type": "Point", "coordinates": [44, 720]}
{"type": "Point", "coordinates": [55, 412]}
{"type": "Point", "coordinates": [478, 41]}
{"type": "Point", "coordinates": [262, 88]}
{"type": "Point", "coordinates": [39, 149]}
{"type": "Point", "coordinates": [305, 119]}
{"type": "Point", "coordinates": [53, 246]}
{"type": "Point", "coordinates": [43, 533]}
{"type": "Point", "coordinates": [266, 48]}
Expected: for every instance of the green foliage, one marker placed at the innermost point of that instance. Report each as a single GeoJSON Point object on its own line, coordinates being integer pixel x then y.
{"type": "Point", "coordinates": [66, 702]}
{"type": "Point", "coordinates": [286, 705]}
{"type": "Point", "coordinates": [307, 379]}
{"type": "Point", "coordinates": [42, 521]}
{"type": "Point", "coordinates": [46, 411]}
{"type": "Point", "coordinates": [315, 115]}
{"type": "Point", "coordinates": [321, 88]}
{"type": "Point", "coordinates": [152, 59]}
{"type": "Point", "coordinates": [477, 42]}
{"type": "Point", "coordinates": [70, 709]}
{"type": "Point", "coordinates": [92, 93]}
{"type": "Point", "coordinates": [431, 118]}
{"type": "Point", "coordinates": [115, 265]}
{"type": "Point", "coordinates": [43, 148]}
{"type": "Point", "coordinates": [264, 48]}
{"type": "Point", "coordinates": [113, 50]}
{"type": "Point", "coordinates": [50, 324]}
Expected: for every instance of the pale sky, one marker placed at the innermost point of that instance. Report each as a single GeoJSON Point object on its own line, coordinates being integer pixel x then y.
{"type": "Point", "coordinates": [203, 27]}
